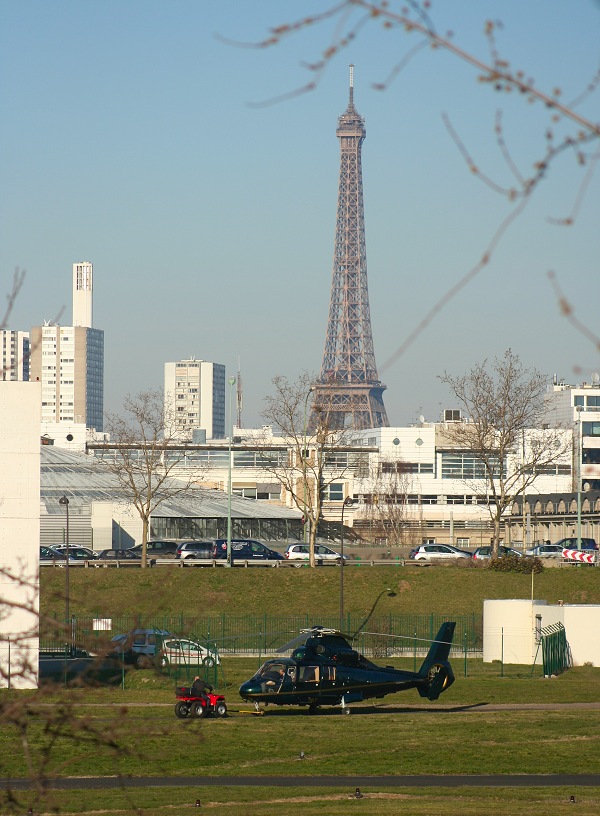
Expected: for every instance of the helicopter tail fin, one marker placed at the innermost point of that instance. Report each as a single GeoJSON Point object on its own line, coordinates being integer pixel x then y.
{"type": "Point", "coordinates": [436, 673]}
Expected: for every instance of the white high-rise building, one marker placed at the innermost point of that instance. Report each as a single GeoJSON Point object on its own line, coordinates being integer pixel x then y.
{"type": "Point", "coordinates": [69, 361]}
{"type": "Point", "coordinates": [195, 398]}
{"type": "Point", "coordinates": [14, 355]}
{"type": "Point", "coordinates": [82, 294]}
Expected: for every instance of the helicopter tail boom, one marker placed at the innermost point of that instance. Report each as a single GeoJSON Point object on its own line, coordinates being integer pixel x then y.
{"type": "Point", "coordinates": [436, 673]}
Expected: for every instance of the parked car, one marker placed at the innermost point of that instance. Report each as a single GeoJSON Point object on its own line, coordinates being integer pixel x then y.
{"type": "Point", "coordinates": [572, 543]}
{"type": "Point", "coordinates": [244, 549]}
{"type": "Point", "coordinates": [138, 647]}
{"type": "Point", "coordinates": [323, 554]}
{"type": "Point", "coordinates": [158, 549]}
{"type": "Point", "coordinates": [485, 552]}
{"type": "Point", "coordinates": [545, 551]}
{"type": "Point", "coordinates": [185, 652]}
{"type": "Point", "coordinates": [77, 553]}
{"type": "Point", "coordinates": [192, 550]}
{"type": "Point", "coordinates": [437, 552]}
{"type": "Point", "coordinates": [48, 555]}
{"type": "Point", "coordinates": [118, 555]}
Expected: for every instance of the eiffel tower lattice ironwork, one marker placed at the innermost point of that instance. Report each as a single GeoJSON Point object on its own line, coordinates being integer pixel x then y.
{"type": "Point", "coordinates": [348, 392]}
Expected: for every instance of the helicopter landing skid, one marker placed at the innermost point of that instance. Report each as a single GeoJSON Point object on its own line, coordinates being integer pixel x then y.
{"type": "Point", "coordinates": [345, 709]}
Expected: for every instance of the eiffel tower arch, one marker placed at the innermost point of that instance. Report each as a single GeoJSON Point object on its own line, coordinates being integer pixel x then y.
{"type": "Point", "coordinates": [348, 391]}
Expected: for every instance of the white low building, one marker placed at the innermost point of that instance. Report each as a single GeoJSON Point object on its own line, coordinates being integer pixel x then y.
{"type": "Point", "coordinates": [512, 629]}
{"type": "Point", "coordinates": [20, 409]}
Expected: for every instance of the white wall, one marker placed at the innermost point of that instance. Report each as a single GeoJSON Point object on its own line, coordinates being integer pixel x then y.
{"type": "Point", "coordinates": [20, 417]}
{"type": "Point", "coordinates": [509, 630]}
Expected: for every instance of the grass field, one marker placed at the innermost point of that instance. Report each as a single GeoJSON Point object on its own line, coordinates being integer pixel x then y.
{"type": "Point", "coordinates": [133, 731]}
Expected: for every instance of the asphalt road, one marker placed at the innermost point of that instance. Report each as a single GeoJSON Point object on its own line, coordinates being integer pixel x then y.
{"type": "Point", "coordinates": [351, 782]}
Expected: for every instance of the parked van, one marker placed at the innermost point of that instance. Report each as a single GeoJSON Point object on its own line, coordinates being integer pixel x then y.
{"type": "Point", "coordinates": [139, 647]}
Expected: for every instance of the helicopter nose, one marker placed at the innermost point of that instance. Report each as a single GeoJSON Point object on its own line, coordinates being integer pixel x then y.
{"type": "Point", "coordinates": [249, 688]}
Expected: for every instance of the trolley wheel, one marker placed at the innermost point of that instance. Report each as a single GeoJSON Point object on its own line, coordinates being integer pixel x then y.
{"type": "Point", "coordinates": [199, 711]}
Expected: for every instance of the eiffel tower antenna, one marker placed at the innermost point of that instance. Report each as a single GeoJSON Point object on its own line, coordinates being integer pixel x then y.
{"type": "Point", "coordinates": [348, 391]}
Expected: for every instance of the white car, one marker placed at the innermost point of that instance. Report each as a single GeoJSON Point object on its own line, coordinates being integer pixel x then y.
{"type": "Point", "coordinates": [184, 652]}
{"type": "Point", "coordinates": [323, 554]}
{"type": "Point", "coordinates": [438, 552]}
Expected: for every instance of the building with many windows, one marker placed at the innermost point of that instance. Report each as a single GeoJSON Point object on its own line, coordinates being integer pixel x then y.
{"type": "Point", "coordinates": [14, 355]}
{"type": "Point", "coordinates": [68, 361]}
{"type": "Point", "coordinates": [195, 399]}
{"type": "Point", "coordinates": [577, 407]}
{"type": "Point", "coordinates": [422, 488]}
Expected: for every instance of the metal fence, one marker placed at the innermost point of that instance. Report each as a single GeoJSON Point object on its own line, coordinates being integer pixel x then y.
{"type": "Point", "coordinates": [385, 636]}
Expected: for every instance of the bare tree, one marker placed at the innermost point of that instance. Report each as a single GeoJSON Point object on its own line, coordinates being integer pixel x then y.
{"type": "Point", "coordinates": [146, 453]}
{"type": "Point", "coordinates": [315, 456]}
{"type": "Point", "coordinates": [506, 446]}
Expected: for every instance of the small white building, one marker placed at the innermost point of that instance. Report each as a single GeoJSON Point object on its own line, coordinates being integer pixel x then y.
{"type": "Point", "coordinates": [512, 629]}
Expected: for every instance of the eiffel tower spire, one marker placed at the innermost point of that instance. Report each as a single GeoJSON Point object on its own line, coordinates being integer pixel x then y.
{"type": "Point", "coordinates": [348, 390]}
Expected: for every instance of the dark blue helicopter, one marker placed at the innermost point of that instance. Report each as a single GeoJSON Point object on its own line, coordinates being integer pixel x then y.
{"type": "Point", "coordinates": [326, 670]}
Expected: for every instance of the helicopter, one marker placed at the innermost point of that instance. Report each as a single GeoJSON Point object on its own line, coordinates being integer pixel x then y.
{"type": "Point", "coordinates": [326, 670]}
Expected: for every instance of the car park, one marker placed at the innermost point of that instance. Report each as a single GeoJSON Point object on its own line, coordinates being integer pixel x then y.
{"type": "Point", "coordinates": [193, 550]}
{"type": "Point", "coordinates": [300, 553]}
{"type": "Point", "coordinates": [545, 551]}
{"type": "Point", "coordinates": [484, 553]}
{"type": "Point", "coordinates": [245, 549]}
{"type": "Point", "coordinates": [48, 555]}
{"type": "Point", "coordinates": [186, 652]}
{"type": "Point", "coordinates": [437, 552]}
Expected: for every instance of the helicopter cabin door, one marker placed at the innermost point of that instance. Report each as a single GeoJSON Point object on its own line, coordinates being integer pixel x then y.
{"type": "Point", "coordinates": [316, 677]}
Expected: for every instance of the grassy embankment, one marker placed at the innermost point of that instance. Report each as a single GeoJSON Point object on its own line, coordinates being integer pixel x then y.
{"type": "Point", "coordinates": [254, 591]}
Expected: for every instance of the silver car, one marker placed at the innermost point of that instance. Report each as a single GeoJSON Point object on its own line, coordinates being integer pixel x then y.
{"type": "Point", "coordinates": [438, 552]}
{"type": "Point", "coordinates": [300, 553]}
{"type": "Point", "coordinates": [545, 551]}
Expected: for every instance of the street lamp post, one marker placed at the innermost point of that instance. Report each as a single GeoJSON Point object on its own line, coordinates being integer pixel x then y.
{"type": "Point", "coordinates": [390, 593]}
{"type": "Point", "coordinates": [65, 503]}
{"type": "Point", "coordinates": [231, 382]}
{"type": "Point", "coordinates": [346, 503]}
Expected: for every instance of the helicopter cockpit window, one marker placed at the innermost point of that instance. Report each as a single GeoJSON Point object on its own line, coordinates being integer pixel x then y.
{"type": "Point", "coordinates": [272, 670]}
{"type": "Point", "coordinates": [309, 674]}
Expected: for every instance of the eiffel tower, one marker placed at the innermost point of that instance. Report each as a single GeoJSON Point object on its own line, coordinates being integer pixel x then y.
{"type": "Point", "coordinates": [348, 391]}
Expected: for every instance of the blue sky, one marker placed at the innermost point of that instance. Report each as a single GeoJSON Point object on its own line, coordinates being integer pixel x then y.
{"type": "Point", "coordinates": [128, 138]}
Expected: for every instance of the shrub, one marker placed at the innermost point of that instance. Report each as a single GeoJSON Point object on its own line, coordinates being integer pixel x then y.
{"type": "Point", "coordinates": [514, 563]}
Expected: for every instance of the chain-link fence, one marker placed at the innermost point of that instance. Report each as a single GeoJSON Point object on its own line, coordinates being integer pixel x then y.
{"type": "Point", "coordinates": [385, 636]}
